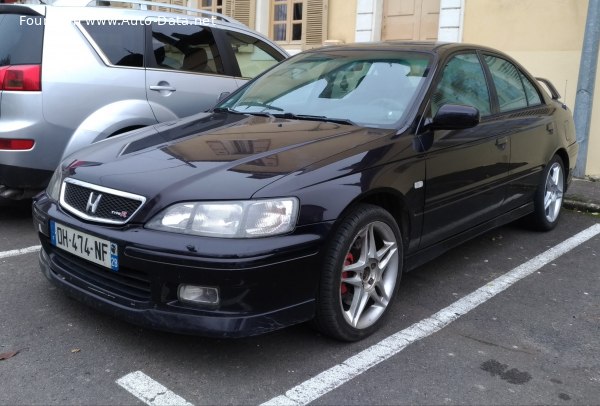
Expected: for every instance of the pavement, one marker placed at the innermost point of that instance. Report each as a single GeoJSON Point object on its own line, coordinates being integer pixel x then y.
{"type": "Point", "coordinates": [583, 195]}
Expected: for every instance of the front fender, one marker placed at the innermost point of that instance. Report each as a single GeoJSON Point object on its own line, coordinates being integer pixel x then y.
{"type": "Point", "coordinates": [108, 120]}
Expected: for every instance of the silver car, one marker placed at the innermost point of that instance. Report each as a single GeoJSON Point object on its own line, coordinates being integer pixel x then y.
{"type": "Point", "coordinates": [73, 74]}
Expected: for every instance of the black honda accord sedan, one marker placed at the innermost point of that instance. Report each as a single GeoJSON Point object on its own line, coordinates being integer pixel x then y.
{"type": "Point", "coordinates": [307, 193]}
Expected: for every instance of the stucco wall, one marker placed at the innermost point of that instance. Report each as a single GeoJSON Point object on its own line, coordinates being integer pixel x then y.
{"type": "Point", "coordinates": [341, 20]}
{"type": "Point", "coordinates": [546, 37]}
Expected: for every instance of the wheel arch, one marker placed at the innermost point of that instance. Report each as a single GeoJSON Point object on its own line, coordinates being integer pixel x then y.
{"type": "Point", "coordinates": [391, 201]}
{"type": "Point", "coordinates": [109, 120]}
{"type": "Point", "coordinates": [562, 153]}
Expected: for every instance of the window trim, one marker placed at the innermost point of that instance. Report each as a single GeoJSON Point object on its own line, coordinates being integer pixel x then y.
{"type": "Point", "coordinates": [289, 22]}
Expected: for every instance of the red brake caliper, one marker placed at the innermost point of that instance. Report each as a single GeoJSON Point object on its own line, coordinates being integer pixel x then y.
{"type": "Point", "coordinates": [349, 261]}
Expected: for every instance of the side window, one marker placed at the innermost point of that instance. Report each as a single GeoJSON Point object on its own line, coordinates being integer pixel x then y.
{"type": "Point", "coordinates": [507, 79]}
{"type": "Point", "coordinates": [533, 97]}
{"type": "Point", "coordinates": [123, 45]}
{"type": "Point", "coordinates": [190, 48]}
{"type": "Point", "coordinates": [463, 82]}
{"type": "Point", "coordinates": [253, 55]}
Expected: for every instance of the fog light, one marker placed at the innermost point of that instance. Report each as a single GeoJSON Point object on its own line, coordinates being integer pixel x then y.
{"type": "Point", "coordinates": [198, 294]}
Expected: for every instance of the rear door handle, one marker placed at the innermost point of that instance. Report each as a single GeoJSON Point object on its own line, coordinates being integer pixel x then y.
{"type": "Point", "coordinates": [501, 142]}
{"type": "Point", "coordinates": [163, 88]}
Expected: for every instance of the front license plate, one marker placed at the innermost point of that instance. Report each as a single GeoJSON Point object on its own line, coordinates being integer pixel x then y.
{"type": "Point", "coordinates": [83, 245]}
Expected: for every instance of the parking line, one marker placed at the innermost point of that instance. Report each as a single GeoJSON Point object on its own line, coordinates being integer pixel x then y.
{"type": "Point", "coordinates": [22, 251]}
{"type": "Point", "coordinates": [336, 376]}
{"type": "Point", "coordinates": [149, 391]}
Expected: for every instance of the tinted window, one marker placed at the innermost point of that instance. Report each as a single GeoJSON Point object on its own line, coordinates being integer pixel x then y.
{"type": "Point", "coordinates": [20, 43]}
{"type": "Point", "coordinates": [123, 45]}
{"type": "Point", "coordinates": [533, 97]}
{"type": "Point", "coordinates": [189, 48]}
{"type": "Point", "coordinates": [463, 82]}
{"type": "Point", "coordinates": [253, 55]}
{"type": "Point", "coordinates": [507, 79]}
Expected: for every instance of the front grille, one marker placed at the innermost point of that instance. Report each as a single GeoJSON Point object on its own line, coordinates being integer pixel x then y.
{"type": "Point", "coordinates": [97, 203]}
{"type": "Point", "coordinates": [128, 284]}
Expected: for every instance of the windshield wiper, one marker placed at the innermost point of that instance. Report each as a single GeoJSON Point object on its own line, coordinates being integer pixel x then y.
{"type": "Point", "coordinates": [248, 113]}
{"type": "Point", "coordinates": [315, 118]}
{"type": "Point", "coordinates": [226, 110]}
{"type": "Point", "coordinates": [259, 104]}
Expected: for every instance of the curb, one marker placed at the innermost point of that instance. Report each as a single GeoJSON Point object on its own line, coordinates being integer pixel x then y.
{"type": "Point", "coordinates": [581, 205]}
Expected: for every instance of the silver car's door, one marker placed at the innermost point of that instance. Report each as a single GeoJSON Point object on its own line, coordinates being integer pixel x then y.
{"type": "Point", "coordinates": [186, 70]}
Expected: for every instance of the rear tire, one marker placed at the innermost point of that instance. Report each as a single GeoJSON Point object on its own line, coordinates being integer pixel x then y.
{"type": "Point", "coordinates": [549, 196]}
{"type": "Point", "coordinates": [361, 273]}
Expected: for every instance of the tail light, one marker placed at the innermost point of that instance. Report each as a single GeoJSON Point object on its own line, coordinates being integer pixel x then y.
{"type": "Point", "coordinates": [21, 77]}
{"type": "Point", "coordinates": [11, 144]}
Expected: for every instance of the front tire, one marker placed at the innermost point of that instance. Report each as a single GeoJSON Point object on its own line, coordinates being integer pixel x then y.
{"type": "Point", "coordinates": [360, 275]}
{"type": "Point", "coordinates": [549, 196]}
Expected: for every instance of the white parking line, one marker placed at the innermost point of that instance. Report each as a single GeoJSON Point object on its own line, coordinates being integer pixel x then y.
{"type": "Point", "coordinates": [149, 391]}
{"type": "Point", "coordinates": [336, 376]}
{"type": "Point", "coordinates": [22, 251]}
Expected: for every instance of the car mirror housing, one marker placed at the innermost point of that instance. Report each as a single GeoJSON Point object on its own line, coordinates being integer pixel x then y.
{"type": "Point", "coordinates": [455, 117]}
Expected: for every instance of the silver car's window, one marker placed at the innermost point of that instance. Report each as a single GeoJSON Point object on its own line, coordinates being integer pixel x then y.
{"type": "Point", "coordinates": [190, 48]}
{"type": "Point", "coordinates": [463, 82]}
{"type": "Point", "coordinates": [253, 55]}
{"type": "Point", "coordinates": [20, 44]}
{"type": "Point", "coordinates": [123, 44]}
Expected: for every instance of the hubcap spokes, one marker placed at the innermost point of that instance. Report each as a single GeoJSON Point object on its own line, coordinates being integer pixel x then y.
{"type": "Point", "coordinates": [368, 282]}
{"type": "Point", "coordinates": [553, 193]}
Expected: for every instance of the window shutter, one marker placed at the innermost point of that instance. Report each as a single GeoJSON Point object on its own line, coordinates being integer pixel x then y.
{"type": "Point", "coordinates": [316, 23]}
{"type": "Point", "coordinates": [242, 10]}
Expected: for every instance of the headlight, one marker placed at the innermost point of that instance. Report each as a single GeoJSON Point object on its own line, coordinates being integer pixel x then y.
{"type": "Point", "coordinates": [53, 189]}
{"type": "Point", "coordinates": [236, 219]}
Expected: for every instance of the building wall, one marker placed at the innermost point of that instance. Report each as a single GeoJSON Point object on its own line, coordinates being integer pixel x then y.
{"type": "Point", "coordinates": [546, 37]}
{"type": "Point", "coordinates": [341, 21]}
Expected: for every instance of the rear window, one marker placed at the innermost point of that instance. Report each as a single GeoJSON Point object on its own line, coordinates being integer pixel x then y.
{"type": "Point", "coordinates": [122, 44]}
{"type": "Point", "coordinates": [21, 39]}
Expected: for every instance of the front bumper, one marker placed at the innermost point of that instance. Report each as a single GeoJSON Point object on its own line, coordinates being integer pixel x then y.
{"type": "Point", "coordinates": [264, 284]}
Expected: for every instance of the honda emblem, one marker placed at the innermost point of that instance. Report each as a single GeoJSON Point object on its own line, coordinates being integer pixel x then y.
{"type": "Point", "coordinates": [92, 204]}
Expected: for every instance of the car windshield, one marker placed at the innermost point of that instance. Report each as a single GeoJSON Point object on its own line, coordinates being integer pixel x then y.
{"type": "Point", "coordinates": [367, 88]}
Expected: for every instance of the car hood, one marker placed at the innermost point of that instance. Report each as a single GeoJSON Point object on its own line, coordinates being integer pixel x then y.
{"type": "Point", "coordinates": [213, 157]}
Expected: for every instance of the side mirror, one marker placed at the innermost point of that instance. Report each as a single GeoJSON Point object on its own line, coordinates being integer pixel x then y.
{"type": "Point", "coordinates": [455, 117]}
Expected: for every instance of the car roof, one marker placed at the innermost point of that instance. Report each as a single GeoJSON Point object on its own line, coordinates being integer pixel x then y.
{"type": "Point", "coordinates": [423, 46]}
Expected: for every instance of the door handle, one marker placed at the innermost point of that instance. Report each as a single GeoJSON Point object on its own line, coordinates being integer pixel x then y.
{"type": "Point", "coordinates": [501, 142]}
{"type": "Point", "coordinates": [159, 88]}
{"type": "Point", "coordinates": [550, 128]}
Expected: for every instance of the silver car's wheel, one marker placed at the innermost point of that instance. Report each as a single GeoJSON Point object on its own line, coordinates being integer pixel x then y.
{"type": "Point", "coordinates": [369, 275]}
{"type": "Point", "coordinates": [553, 193]}
{"type": "Point", "coordinates": [361, 272]}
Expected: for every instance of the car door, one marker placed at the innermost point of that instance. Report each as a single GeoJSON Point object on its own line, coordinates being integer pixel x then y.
{"type": "Point", "coordinates": [465, 169]}
{"type": "Point", "coordinates": [186, 68]}
{"type": "Point", "coordinates": [529, 124]}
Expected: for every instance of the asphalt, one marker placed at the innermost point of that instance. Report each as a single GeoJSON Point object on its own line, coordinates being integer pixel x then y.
{"type": "Point", "coordinates": [583, 195]}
